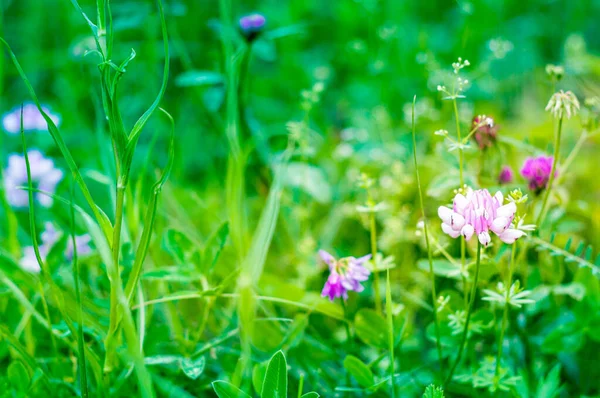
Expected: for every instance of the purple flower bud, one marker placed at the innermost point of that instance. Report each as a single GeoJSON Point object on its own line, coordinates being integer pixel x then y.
{"type": "Point", "coordinates": [486, 131]}
{"type": "Point", "coordinates": [32, 119]}
{"type": "Point", "coordinates": [506, 175]}
{"type": "Point", "coordinates": [251, 25]}
{"type": "Point", "coordinates": [43, 175]}
{"type": "Point", "coordinates": [537, 172]}
{"type": "Point", "coordinates": [345, 274]}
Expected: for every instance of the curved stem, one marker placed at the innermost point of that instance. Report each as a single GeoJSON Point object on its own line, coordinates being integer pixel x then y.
{"type": "Point", "coordinates": [429, 254]}
{"type": "Point", "coordinates": [469, 310]}
{"type": "Point", "coordinates": [540, 217]}
{"type": "Point", "coordinates": [507, 286]}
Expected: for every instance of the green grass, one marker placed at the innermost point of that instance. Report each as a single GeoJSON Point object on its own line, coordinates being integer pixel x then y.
{"type": "Point", "coordinates": [209, 169]}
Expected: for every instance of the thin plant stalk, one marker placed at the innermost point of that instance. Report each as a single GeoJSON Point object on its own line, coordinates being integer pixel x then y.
{"type": "Point", "coordinates": [373, 233]}
{"type": "Point", "coordinates": [551, 179]}
{"type": "Point", "coordinates": [429, 253]}
{"type": "Point", "coordinates": [469, 310]}
{"type": "Point", "coordinates": [80, 338]}
{"type": "Point", "coordinates": [507, 286]}
{"type": "Point", "coordinates": [390, 322]}
{"type": "Point", "coordinates": [462, 182]}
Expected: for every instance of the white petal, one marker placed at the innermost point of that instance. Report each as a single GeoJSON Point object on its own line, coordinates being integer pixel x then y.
{"type": "Point", "coordinates": [511, 235]}
{"type": "Point", "coordinates": [499, 197]}
{"type": "Point", "coordinates": [460, 203]}
{"type": "Point", "coordinates": [445, 214]}
{"type": "Point", "coordinates": [467, 231]}
{"type": "Point", "coordinates": [508, 210]}
{"type": "Point", "coordinates": [500, 224]}
{"type": "Point", "coordinates": [484, 238]}
{"type": "Point", "coordinates": [457, 221]}
{"type": "Point", "coordinates": [448, 230]}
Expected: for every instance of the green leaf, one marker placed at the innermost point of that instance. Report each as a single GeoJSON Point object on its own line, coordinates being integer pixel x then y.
{"type": "Point", "coordinates": [176, 244]}
{"type": "Point", "coordinates": [549, 386]}
{"type": "Point", "coordinates": [224, 389]}
{"type": "Point", "coordinates": [359, 370]}
{"type": "Point", "coordinates": [18, 376]}
{"type": "Point", "coordinates": [193, 368]}
{"type": "Point", "coordinates": [441, 268]}
{"type": "Point", "coordinates": [371, 328]}
{"type": "Point", "coordinates": [258, 376]}
{"type": "Point", "coordinates": [311, 394]}
{"type": "Point", "coordinates": [275, 383]}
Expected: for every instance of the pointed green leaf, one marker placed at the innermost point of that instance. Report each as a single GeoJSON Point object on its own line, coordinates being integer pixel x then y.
{"type": "Point", "coordinates": [275, 383]}
{"type": "Point", "coordinates": [224, 389]}
{"type": "Point", "coordinates": [371, 328]}
{"type": "Point", "coordinates": [359, 370]}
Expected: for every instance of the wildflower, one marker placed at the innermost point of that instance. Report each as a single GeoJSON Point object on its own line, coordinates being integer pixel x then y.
{"type": "Point", "coordinates": [485, 131]}
{"type": "Point", "coordinates": [345, 274]}
{"type": "Point", "coordinates": [506, 175]}
{"type": "Point", "coordinates": [32, 119]}
{"type": "Point", "coordinates": [537, 172]}
{"type": "Point", "coordinates": [478, 212]}
{"type": "Point", "coordinates": [251, 25]}
{"type": "Point", "coordinates": [49, 238]}
{"type": "Point", "coordinates": [561, 102]}
{"type": "Point", "coordinates": [555, 72]}
{"type": "Point", "coordinates": [43, 174]}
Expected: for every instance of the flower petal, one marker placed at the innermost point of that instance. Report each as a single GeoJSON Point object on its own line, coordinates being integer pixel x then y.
{"type": "Point", "coordinates": [511, 235]}
{"type": "Point", "coordinates": [467, 231]}
{"type": "Point", "coordinates": [450, 231]}
{"type": "Point", "coordinates": [484, 238]}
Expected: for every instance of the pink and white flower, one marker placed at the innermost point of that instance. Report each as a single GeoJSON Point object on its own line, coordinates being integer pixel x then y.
{"type": "Point", "coordinates": [479, 213]}
{"type": "Point", "coordinates": [345, 274]}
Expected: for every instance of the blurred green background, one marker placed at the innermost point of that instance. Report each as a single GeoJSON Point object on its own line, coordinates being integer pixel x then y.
{"type": "Point", "coordinates": [372, 57]}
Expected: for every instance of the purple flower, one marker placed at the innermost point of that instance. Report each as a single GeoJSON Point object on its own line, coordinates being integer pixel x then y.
{"type": "Point", "coordinates": [537, 172]}
{"type": "Point", "coordinates": [252, 24]}
{"type": "Point", "coordinates": [345, 274]}
{"type": "Point", "coordinates": [43, 175]}
{"type": "Point", "coordinates": [506, 175]}
{"type": "Point", "coordinates": [48, 239]}
{"type": "Point", "coordinates": [32, 119]}
{"type": "Point", "coordinates": [486, 131]}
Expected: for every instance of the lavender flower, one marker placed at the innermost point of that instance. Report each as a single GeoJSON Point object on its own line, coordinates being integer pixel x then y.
{"type": "Point", "coordinates": [537, 172]}
{"type": "Point", "coordinates": [506, 175]}
{"type": "Point", "coordinates": [32, 119]}
{"type": "Point", "coordinates": [43, 174]}
{"type": "Point", "coordinates": [251, 25]}
{"type": "Point", "coordinates": [48, 239]}
{"type": "Point", "coordinates": [478, 212]}
{"type": "Point", "coordinates": [486, 131]}
{"type": "Point", "coordinates": [345, 274]}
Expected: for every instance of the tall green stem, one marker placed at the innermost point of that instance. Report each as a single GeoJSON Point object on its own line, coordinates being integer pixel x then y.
{"type": "Point", "coordinates": [429, 253]}
{"type": "Point", "coordinates": [469, 310]}
{"type": "Point", "coordinates": [390, 324]}
{"type": "Point", "coordinates": [373, 231]}
{"type": "Point", "coordinates": [463, 257]}
{"type": "Point", "coordinates": [115, 280]}
{"type": "Point", "coordinates": [551, 179]}
{"type": "Point", "coordinates": [507, 286]}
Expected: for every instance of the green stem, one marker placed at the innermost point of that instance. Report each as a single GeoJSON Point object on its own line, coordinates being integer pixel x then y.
{"type": "Point", "coordinates": [301, 385]}
{"type": "Point", "coordinates": [347, 323]}
{"type": "Point", "coordinates": [469, 310]}
{"type": "Point", "coordinates": [460, 152]}
{"type": "Point", "coordinates": [540, 217]}
{"type": "Point", "coordinates": [373, 232]}
{"type": "Point", "coordinates": [390, 321]}
{"type": "Point", "coordinates": [115, 280]}
{"type": "Point", "coordinates": [507, 286]}
{"type": "Point", "coordinates": [429, 253]}
{"type": "Point", "coordinates": [80, 337]}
